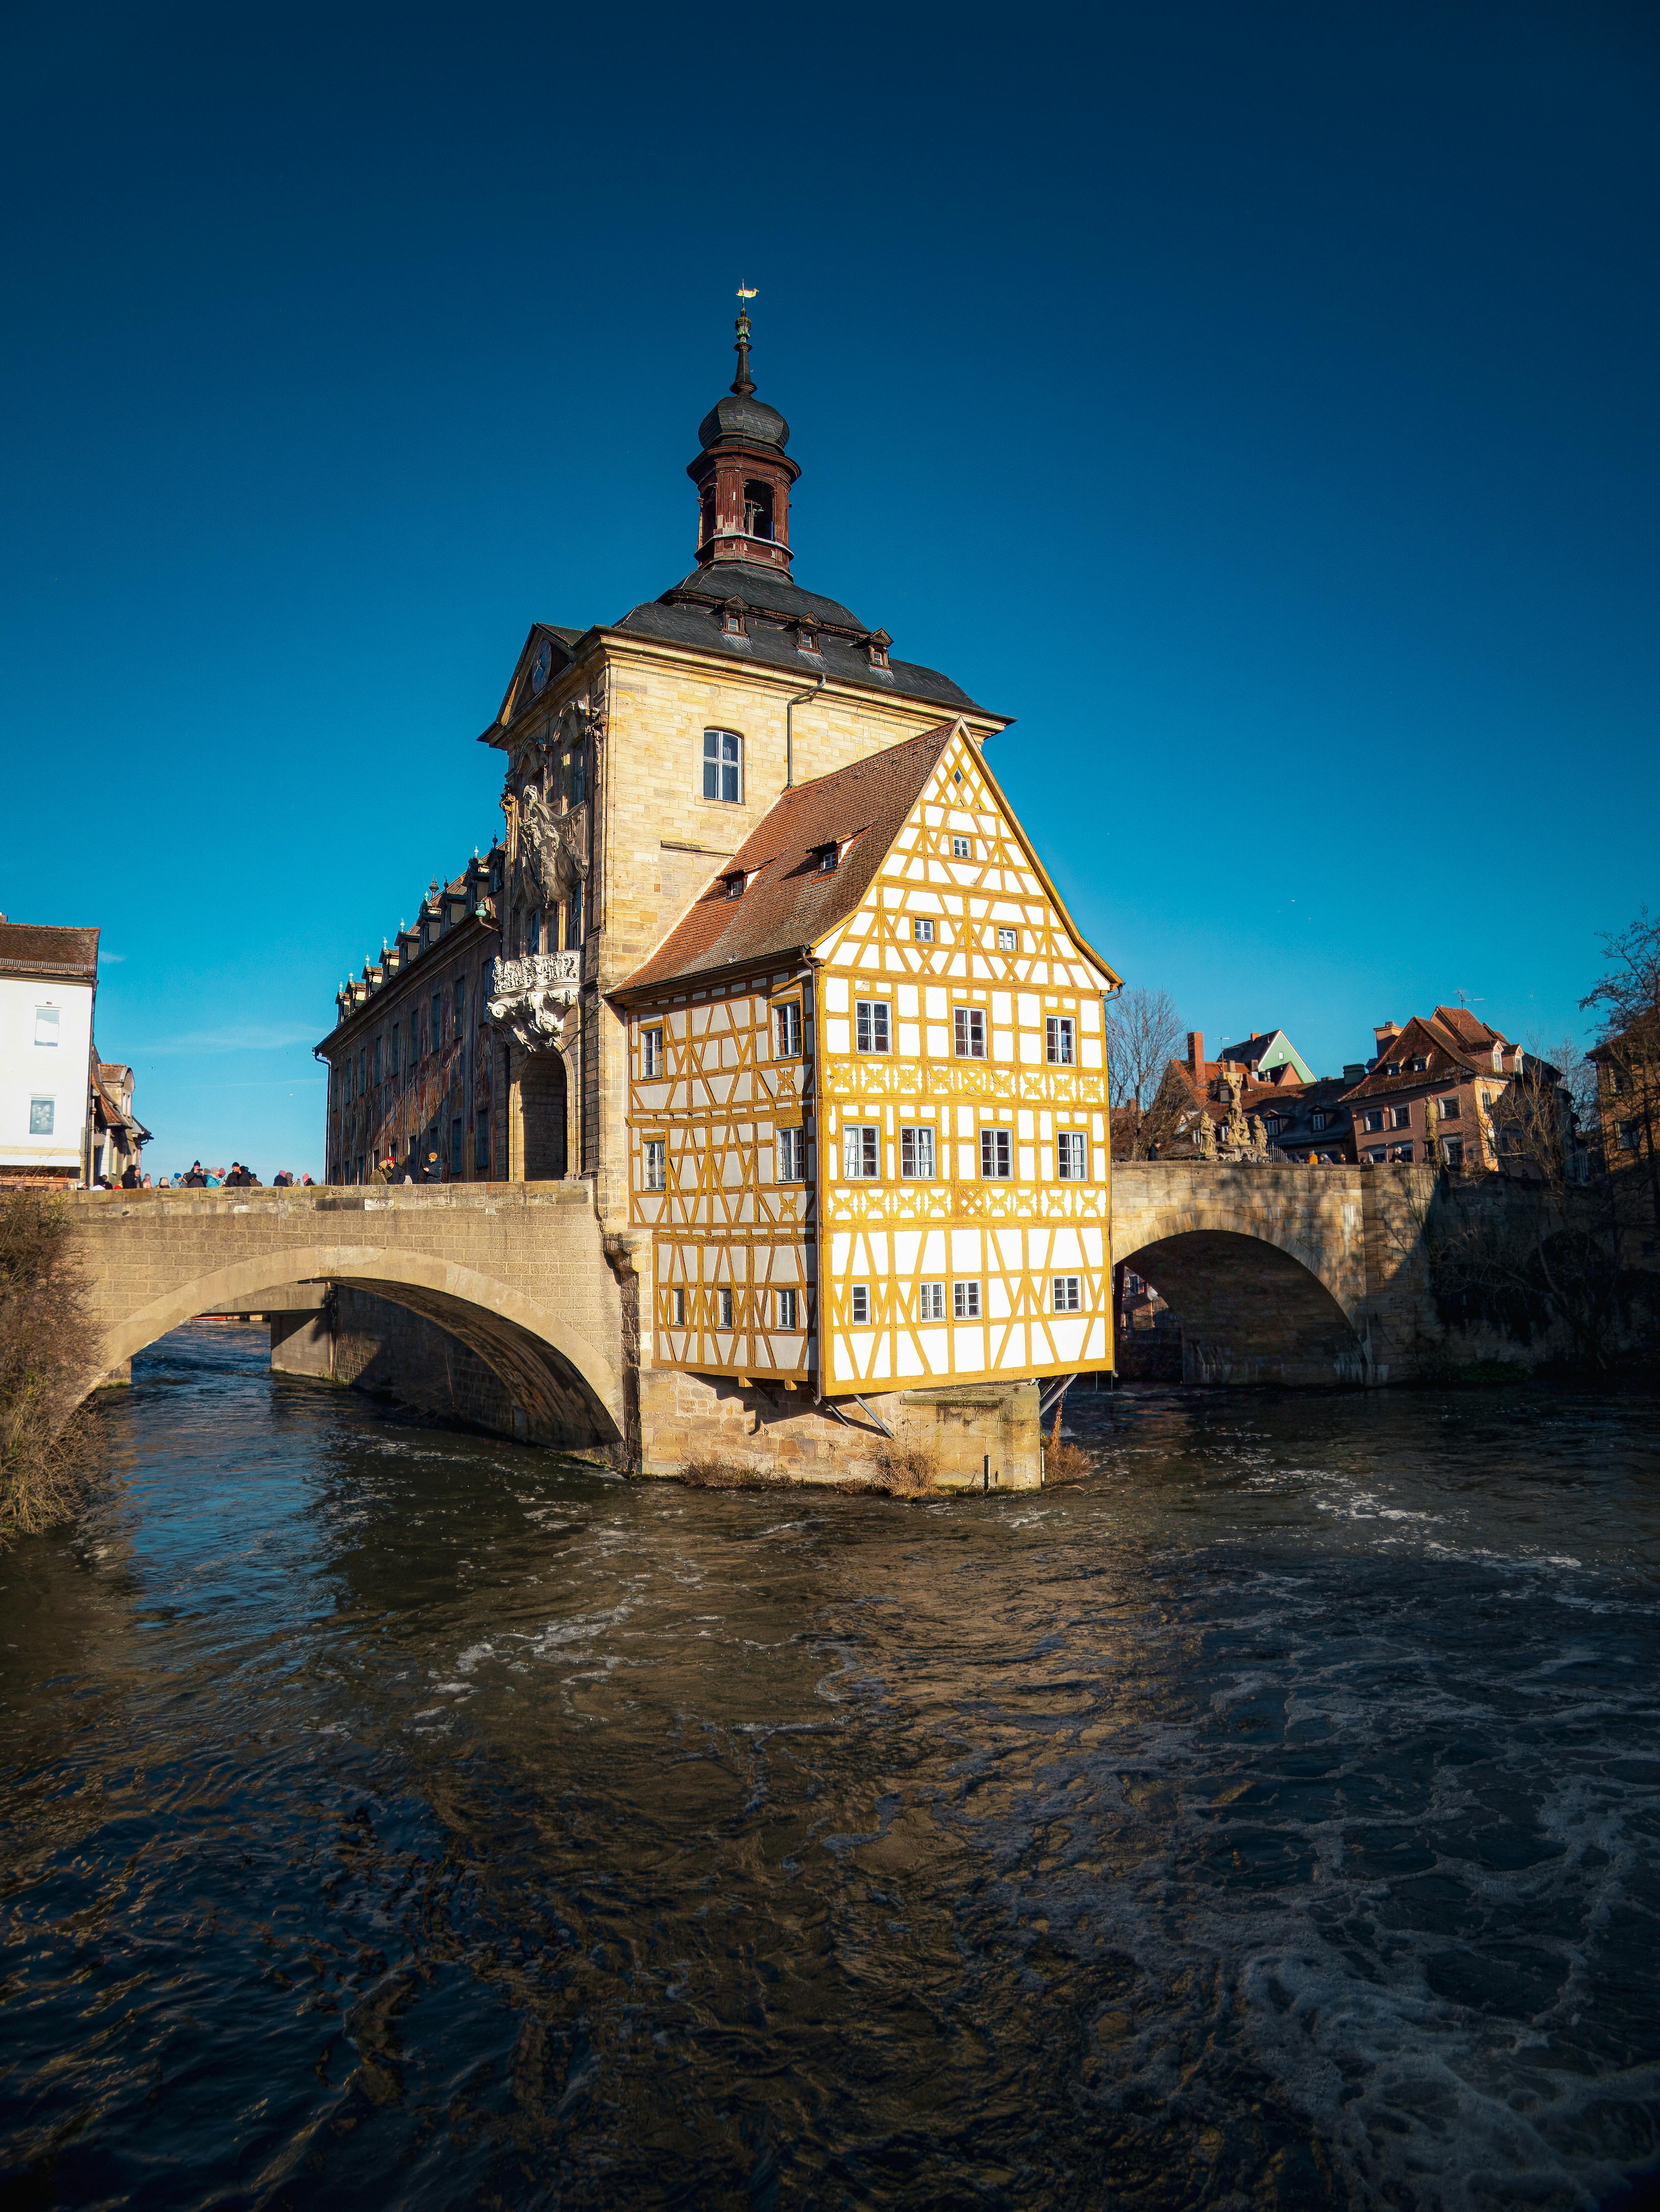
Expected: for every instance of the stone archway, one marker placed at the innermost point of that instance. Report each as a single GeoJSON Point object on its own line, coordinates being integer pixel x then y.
{"type": "Point", "coordinates": [1249, 1312]}
{"type": "Point", "coordinates": [543, 1109]}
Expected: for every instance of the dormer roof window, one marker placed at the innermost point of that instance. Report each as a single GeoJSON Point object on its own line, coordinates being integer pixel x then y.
{"type": "Point", "coordinates": [826, 859]}
{"type": "Point", "coordinates": [733, 882]}
{"type": "Point", "coordinates": [807, 638]}
{"type": "Point", "coordinates": [731, 619]}
{"type": "Point", "coordinates": [877, 647]}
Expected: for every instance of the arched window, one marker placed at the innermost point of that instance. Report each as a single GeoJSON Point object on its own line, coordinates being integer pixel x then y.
{"type": "Point", "coordinates": [758, 510]}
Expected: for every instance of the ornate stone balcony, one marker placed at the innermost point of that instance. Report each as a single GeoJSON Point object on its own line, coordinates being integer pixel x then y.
{"type": "Point", "coordinates": [531, 997]}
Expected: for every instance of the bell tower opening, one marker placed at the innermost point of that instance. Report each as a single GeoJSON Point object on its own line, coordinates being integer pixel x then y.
{"type": "Point", "coordinates": [743, 474]}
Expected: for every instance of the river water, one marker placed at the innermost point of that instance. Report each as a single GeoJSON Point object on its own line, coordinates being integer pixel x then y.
{"type": "Point", "coordinates": [391, 1817]}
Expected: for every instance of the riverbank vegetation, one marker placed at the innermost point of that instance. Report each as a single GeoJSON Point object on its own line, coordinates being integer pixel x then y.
{"type": "Point", "coordinates": [46, 1458]}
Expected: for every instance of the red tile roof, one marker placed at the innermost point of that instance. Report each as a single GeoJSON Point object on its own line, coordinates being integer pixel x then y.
{"type": "Point", "coordinates": [788, 902]}
{"type": "Point", "coordinates": [30, 948]}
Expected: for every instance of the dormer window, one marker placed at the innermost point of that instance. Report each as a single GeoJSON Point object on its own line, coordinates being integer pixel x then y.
{"type": "Point", "coordinates": [877, 647]}
{"type": "Point", "coordinates": [806, 639]}
{"type": "Point", "coordinates": [1420, 1065]}
{"type": "Point", "coordinates": [734, 884]}
{"type": "Point", "coordinates": [826, 858]}
{"type": "Point", "coordinates": [731, 619]}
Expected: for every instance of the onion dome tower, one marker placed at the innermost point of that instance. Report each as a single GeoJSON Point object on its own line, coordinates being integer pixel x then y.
{"type": "Point", "coordinates": [743, 475]}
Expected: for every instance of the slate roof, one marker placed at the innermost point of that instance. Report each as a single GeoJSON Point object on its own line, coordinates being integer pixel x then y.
{"type": "Point", "coordinates": [689, 614]}
{"type": "Point", "coordinates": [29, 948]}
{"type": "Point", "coordinates": [787, 903]}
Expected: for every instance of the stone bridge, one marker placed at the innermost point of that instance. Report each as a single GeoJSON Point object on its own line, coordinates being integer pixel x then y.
{"type": "Point", "coordinates": [1295, 1275]}
{"type": "Point", "coordinates": [518, 1272]}
{"type": "Point", "coordinates": [1283, 1274]}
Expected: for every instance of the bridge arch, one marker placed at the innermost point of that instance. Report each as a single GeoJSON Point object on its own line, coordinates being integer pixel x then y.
{"type": "Point", "coordinates": [541, 1358]}
{"type": "Point", "coordinates": [1251, 1309]}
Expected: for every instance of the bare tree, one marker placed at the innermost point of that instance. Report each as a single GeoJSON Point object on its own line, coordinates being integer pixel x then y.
{"type": "Point", "coordinates": [1144, 1035]}
{"type": "Point", "coordinates": [1627, 998]}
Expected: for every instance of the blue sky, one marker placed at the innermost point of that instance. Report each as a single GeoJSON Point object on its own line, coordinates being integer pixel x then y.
{"type": "Point", "coordinates": [1255, 402]}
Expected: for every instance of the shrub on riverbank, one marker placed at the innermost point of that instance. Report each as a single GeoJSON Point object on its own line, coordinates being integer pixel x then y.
{"type": "Point", "coordinates": [45, 1347]}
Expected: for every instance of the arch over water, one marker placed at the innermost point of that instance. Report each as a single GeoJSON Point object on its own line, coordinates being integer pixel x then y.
{"type": "Point", "coordinates": [1251, 1309]}
{"type": "Point", "coordinates": [543, 1360]}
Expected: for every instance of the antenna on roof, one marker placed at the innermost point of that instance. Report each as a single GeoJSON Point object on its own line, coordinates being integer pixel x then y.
{"type": "Point", "coordinates": [1465, 999]}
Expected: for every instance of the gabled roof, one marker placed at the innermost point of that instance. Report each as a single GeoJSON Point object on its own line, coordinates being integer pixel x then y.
{"type": "Point", "coordinates": [1451, 1031]}
{"type": "Point", "coordinates": [788, 902]}
{"type": "Point", "coordinates": [31, 948]}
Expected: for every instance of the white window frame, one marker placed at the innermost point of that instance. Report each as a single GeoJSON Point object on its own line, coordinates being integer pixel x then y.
{"type": "Point", "coordinates": [787, 1029]}
{"type": "Point", "coordinates": [651, 1052]}
{"type": "Point", "coordinates": [859, 1305]}
{"type": "Point", "coordinates": [931, 1302]}
{"type": "Point", "coordinates": [1072, 1145]}
{"type": "Point", "coordinates": [969, 1032]}
{"type": "Point", "coordinates": [49, 1118]}
{"type": "Point", "coordinates": [965, 1301]}
{"type": "Point", "coordinates": [787, 1307]}
{"type": "Point", "coordinates": [922, 931]}
{"type": "Point", "coordinates": [49, 1018]}
{"type": "Point", "coordinates": [722, 767]}
{"type": "Point", "coordinates": [997, 1148]}
{"type": "Point", "coordinates": [1008, 940]}
{"type": "Point", "coordinates": [1061, 1041]}
{"type": "Point", "coordinates": [792, 1155]}
{"type": "Point", "coordinates": [917, 1161]}
{"type": "Point", "coordinates": [1068, 1294]}
{"type": "Point", "coordinates": [872, 1025]}
{"type": "Point", "coordinates": [724, 1307]}
{"type": "Point", "coordinates": [962, 848]}
{"type": "Point", "coordinates": [862, 1151]}
{"type": "Point", "coordinates": [655, 1166]}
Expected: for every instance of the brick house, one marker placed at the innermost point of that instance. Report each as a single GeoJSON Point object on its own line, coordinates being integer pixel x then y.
{"type": "Point", "coordinates": [1432, 1096]}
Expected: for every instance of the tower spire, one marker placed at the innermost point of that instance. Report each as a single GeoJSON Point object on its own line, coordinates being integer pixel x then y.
{"type": "Point", "coordinates": [744, 383]}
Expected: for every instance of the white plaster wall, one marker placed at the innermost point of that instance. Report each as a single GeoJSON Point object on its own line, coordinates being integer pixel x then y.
{"type": "Point", "coordinates": [29, 1071]}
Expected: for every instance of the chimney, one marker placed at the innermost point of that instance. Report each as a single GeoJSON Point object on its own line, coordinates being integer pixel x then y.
{"type": "Point", "coordinates": [1196, 1051]}
{"type": "Point", "coordinates": [1386, 1033]}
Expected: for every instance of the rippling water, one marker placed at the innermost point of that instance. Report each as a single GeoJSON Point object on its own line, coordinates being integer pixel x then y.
{"type": "Point", "coordinates": [390, 1817]}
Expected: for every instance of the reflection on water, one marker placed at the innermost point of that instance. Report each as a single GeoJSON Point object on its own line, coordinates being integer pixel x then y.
{"type": "Point", "coordinates": [390, 1817]}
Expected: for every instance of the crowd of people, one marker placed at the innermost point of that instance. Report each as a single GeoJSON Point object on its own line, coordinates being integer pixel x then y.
{"type": "Point", "coordinates": [238, 1177]}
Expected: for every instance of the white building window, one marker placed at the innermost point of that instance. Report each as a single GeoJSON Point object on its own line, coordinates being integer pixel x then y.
{"type": "Point", "coordinates": [859, 1305]}
{"type": "Point", "coordinates": [916, 1155]}
{"type": "Point", "coordinates": [792, 1155]}
{"type": "Point", "coordinates": [46, 1025]}
{"type": "Point", "coordinates": [1377, 1155]}
{"type": "Point", "coordinates": [1072, 1155]}
{"type": "Point", "coordinates": [1447, 1108]}
{"type": "Point", "coordinates": [789, 1019]}
{"type": "Point", "coordinates": [1372, 1120]}
{"type": "Point", "coordinates": [962, 848]}
{"type": "Point", "coordinates": [651, 1052]}
{"type": "Point", "coordinates": [931, 1302]}
{"type": "Point", "coordinates": [995, 1149]}
{"type": "Point", "coordinates": [724, 1299]}
{"type": "Point", "coordinates": [786, 1308]}
{"type": "Point", "coordinates": [1060, 1041]}
{"type": "Point", "coordinates": [861, 1152]}
{"type": "Point", "coordinates": [1067, 1293]}
{"type": "Point", "coordinates": [656, 1163]}
{"type": "Point", "coordinates": [965, 1301]}
{"type": "Point", "coordinates": [1400, 1117]}
{"type": "Point", "coordinates": [923, 931]}
{"type": "Point", "coordinates": [43, 1115]}
{"type": "Point", "coordinates": [871, 1029]}
{"type": "Point", "coordinates": [723, 766]}
{"type": "Point", "coordinates": [1008, 940]}
{"type": "Point", "coordinates": [969, 1023]}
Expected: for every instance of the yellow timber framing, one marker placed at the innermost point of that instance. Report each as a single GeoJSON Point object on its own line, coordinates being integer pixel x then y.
{"type": "Point", "coordinates": [998, 944]}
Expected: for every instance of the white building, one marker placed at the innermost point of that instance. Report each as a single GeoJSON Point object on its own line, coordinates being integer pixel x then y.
{"type": "Point", "coordinates": [59, 1122]}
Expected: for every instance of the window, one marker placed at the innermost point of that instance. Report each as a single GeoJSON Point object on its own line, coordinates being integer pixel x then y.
{"type": "Point", "coordinates": [1452, 1152]}
{"type": "Point", "coordinates": [723, 766]}
{"type": "Point", "coordinates": [916, 1155]}
{"type": "Point", "coordinates": [1447, 1107]}
{"type": "Point", "coordinates": [481, 1142]}
{"type": "Point", "coordinates": [458, 1129]}
{"type": "Point", "coordinates": [826, 857]}
{"type": "Point", "coordinates": [1008, 940]}
{"type": "Point", "coordinates": [437, 1021]}
{"type": "Point", "coordinates": [363, 1070]}
{"type": "Point", "coordinates": [1272, 1125]}
{"type": "Point", "coordinates": [859, 1304]}
{"type": "Point", "coordinates": [962, 848]}
{"type": "Point", "coordinates": [931, 1302]}
{"type": "Point", "coordinates": [786, 1309]}
{"type": "Point", "coordinates": [734, 884]}
{"type": "Point", "coordinates": [1403, 1153]}
{"type": "Point", "coordinates": [922, 931]}
{"type": "Point", "coordinates": [970, 1032]}
{"type": "Point", "coordinates": [392, 1048]}
{"type": "Point", "coordinates": [861, 1152]}
{"type": "Point", "coordinates": [460, 1007]}
{"type": "Point", "coordinates": [657, 1173]}
{"type": "Point", "coordinates": [573, 922]}
{"type": "Point", "coordinates": [788, 1018]}
{"type": "Point", "coordinates": [1065, 1293]}
{"type": "Point", "coordinates": [651, 1052]}
{"type": "Point", "coordinates": [533, 933]}
{"type": "Point", "coordinates": [1418, 1065]}
{"type": "Point", "coordinates": [792, 1155]}
{"type": "Point", "coordinates": [1372, 1120]}
{"type": "Point", "coordinates": [1318, 1121]}
{"type": "Point", "coordinates": [1628, 1136]}
{"type": "Point", "coordinates": [1072, 1155]}
{"type": "Point", "coordinates": [1378, 1156]}
{"type": "Point", "coordinates": [871, 1025]}
{"type": "Point", "coordinates": [46, 1025]}
{"type": "Point", "coordinates": [1062, 1032]}
{"type": "Point", "coordinates": [678, 1307]}
{"type": "Point", "coordinates": [758, 510]}
{"type": "Point", "coordinates": [994, 1148]}
{"type": "Point", "coordinates": [1400, 1117]}
{"type": "Point", "coordinates": [965, 1301]}
{"type": "Point", "coordinates": [43, 1114]}
{"type": "Point", "coordinates": [375, 1062]}
{"type": "Point", "coordinates": [724, 1298]}
{"type": "Point", "coordinates": [1392, 1067]}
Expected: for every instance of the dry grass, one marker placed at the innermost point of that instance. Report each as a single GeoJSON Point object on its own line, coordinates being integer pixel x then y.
{"type": "Point", "coordinates": [1065, 1463]}
{"type": "Point", "coordinates": [708, 1471]}
{"type": "Point", "coordinates": [46, 1457]}
{"type": "Point", "coordinates": [904, 1471]}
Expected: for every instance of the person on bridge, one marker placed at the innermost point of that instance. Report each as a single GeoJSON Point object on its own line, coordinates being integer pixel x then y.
{"type": "Point", "coordinates": [382, 1170]}
{"type": "Point", "coordinates": [196, 1180]}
